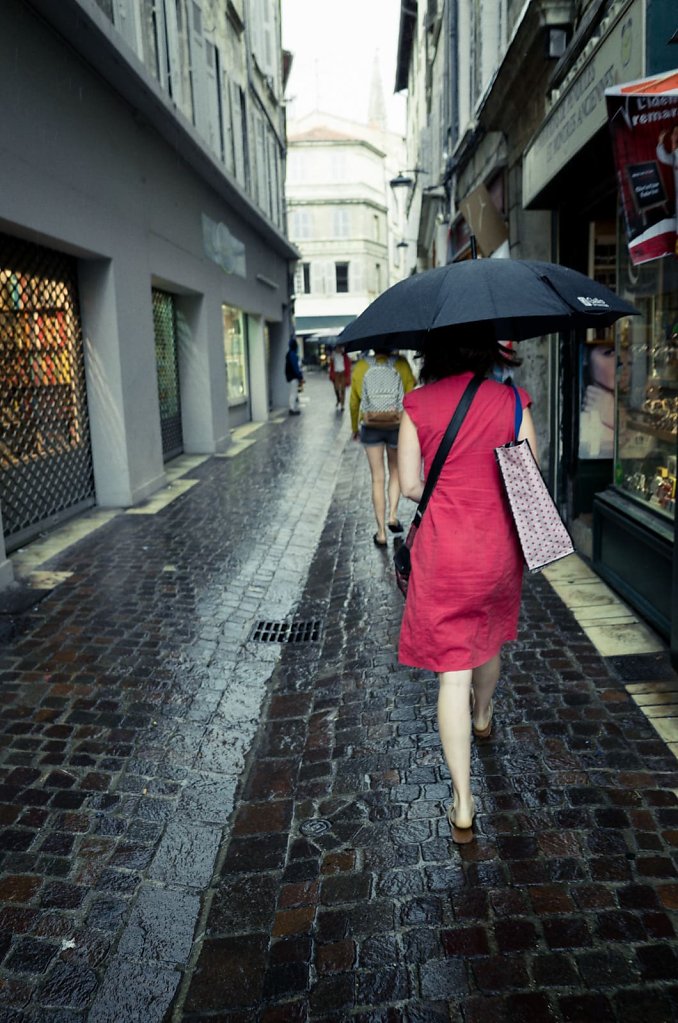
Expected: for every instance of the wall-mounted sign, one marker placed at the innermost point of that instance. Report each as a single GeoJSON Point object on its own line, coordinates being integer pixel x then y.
{"type": "Point", "coordinates": [579, 112]}
{"type": "Point", "coordinates": [644, 127]}
{"type": "Point", "coordinates": [223, 248]}
{"type": "Point", "coordinates": [484, 219]}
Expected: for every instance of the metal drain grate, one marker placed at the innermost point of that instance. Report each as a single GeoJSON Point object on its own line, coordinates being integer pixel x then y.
{"type": "Point", "coordinates": [288, 632]}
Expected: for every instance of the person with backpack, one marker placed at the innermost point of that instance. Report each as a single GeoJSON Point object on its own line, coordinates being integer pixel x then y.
{"type": "Point", "coordinates": [378, 384]}
{"type": "Point", "coordinates": [294, 376]}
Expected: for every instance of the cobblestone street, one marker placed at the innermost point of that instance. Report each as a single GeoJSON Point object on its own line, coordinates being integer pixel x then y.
{"type": "Point", "coordinates": [198, 825]}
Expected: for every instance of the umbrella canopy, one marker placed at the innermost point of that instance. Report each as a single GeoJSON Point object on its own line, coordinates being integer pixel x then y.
{"type": "Point", "coordinates": [511, 299]}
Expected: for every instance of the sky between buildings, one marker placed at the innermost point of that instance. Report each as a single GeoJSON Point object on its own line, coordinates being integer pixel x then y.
{"type": "Point", "coordinates": [334, 43]}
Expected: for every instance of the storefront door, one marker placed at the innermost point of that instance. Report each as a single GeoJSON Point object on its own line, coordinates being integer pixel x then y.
{"type": "Point", "coordinates": [236, 357]}
{"type": "Point", "coordinates": [45, 458]}
{"type": "Point", "coordinates": [167, 361]}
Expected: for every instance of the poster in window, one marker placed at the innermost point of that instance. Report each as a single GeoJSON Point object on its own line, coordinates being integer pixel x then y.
{"type": "Point", "coordinates": [643, 120]}
{"type": "Point", "coordinates": [597, 370]}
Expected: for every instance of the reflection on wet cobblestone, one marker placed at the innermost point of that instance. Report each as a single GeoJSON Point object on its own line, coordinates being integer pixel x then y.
{"type": "Point", "coordinates": [131, 695]}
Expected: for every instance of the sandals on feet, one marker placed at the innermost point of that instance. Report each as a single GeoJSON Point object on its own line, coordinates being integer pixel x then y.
{"type": "Point", "coordinates": [460, 836]}
{"type": "Point", "coordinates": [396, 527]}
{"type": "Point", "coordinates": [486, 732]}
{"type": "Point", "coordinates": [378, 542]}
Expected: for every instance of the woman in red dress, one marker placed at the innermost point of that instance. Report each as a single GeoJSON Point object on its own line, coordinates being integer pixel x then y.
{"type": "Point", "coordinates": [465, 584]}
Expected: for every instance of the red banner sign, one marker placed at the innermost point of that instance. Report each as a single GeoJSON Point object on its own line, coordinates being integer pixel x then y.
{"type": "Point", "coordinates": [643, 119]}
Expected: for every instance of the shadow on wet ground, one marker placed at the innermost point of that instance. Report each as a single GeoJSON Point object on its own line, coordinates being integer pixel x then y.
{"type": "Point", "coordinates": [201, 825]}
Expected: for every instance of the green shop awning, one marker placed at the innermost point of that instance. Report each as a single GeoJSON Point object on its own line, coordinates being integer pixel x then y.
{"type": "Point", "coordinates": [317, 323]}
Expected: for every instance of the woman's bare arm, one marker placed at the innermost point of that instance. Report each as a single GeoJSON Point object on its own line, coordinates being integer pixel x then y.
{"type": "Point", "coordinates": [409, 460]}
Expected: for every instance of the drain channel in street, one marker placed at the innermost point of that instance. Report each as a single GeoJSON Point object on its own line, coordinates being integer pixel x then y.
{"type": "Point", "coordinates": [288, 632]}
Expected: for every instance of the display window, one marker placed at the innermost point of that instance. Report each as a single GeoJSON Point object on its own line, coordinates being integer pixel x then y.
{"type": "Point", "coordinates": [597, 356]}
{"type": "Point", "coordinates": [597, 371]}
{"type": "Point", "coordinates": [45, 456]}
{"type": "Point", "coordinates": [235, 354]}
{"type": "Point", "coordinates": [647, 384]}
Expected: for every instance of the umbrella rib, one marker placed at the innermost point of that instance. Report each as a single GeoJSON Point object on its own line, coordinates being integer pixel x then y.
{"type": "Point", "coordinates": [549, 282]}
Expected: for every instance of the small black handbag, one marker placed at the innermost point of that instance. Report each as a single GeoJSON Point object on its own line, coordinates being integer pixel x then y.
{"type": "Point", "coordinates": [402, 558]}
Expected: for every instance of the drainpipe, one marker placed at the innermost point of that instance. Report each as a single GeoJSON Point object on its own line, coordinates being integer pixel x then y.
{"type": "Point", "coordinates": [453, 89]}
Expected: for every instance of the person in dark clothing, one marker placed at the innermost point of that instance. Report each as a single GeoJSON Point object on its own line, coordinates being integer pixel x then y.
{"type": "Point", "coordinates": [294, 376]}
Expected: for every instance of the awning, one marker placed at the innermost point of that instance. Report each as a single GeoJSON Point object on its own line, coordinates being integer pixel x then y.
{"type": "Point", "coordinates": [321, 324]}
{"type": "Point", "coordinates": [643, 117]}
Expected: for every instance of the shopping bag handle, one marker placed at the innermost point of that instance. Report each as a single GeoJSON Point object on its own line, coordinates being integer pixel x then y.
{"type": "Point", "coordinates": [518, 419]}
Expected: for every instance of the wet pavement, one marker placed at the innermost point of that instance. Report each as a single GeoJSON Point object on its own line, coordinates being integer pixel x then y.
{"type": "Point", "coordinates": [200, 825]}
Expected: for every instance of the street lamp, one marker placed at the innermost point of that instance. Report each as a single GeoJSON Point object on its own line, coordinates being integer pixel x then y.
{"type": "Point", "coordinates": [402, 179]}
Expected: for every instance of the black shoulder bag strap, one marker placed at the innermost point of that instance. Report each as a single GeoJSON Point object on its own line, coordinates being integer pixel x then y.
{"type": "Point", "coordinates": [445, 445]}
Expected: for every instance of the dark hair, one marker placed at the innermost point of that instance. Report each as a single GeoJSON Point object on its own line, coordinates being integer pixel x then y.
{"type": "Point", "coordinates": [447, 357]}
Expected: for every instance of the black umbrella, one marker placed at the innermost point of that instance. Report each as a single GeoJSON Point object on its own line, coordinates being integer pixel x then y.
{"type": "Point", "coordinates": [511, 299]}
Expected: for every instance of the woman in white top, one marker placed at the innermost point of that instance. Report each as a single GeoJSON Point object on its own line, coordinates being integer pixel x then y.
{"type": "Point", "coordinates": [340, 374]}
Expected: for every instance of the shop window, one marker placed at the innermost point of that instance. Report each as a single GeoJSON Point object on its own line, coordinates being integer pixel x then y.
{"type": "Point", "coordinates": [167, 368]}
{"type": "Point", "coordinates": [647, 384]}
{"type": "Point", "coordinates": [341, 277]}
{"type": "Point", "coordinates": [235, 354]}
{"type": "Point", "coordinates": [45, 459]}
{"type": "Point", "coordinates": [597, 358]}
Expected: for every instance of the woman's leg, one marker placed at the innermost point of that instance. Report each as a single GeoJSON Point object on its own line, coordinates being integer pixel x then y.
{"type": "Point", "coordinates": [375, 457]}
{"type": "Point", "coordinates": [454, 728]}
{"type": "Point", "coordinates": [484, 682]}
{"type": "Point", "coordinates": [393, 484]}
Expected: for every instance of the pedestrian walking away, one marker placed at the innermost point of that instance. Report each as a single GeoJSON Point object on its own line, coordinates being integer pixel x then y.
{"type": "Point", "coordinates": [340, 375]}
{"type": "Point", "coordinates": [464, 589]}
{"type": "Point", "coordinates": [378, 384]}
{"type": "Point", "coordinates": [294, 376]}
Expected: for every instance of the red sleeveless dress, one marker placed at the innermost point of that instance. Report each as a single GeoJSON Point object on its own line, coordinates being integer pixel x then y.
{"type": "Point", "coordinates": [463, 597]}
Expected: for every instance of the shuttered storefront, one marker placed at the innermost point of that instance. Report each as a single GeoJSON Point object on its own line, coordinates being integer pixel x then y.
{"type": "Point", "coordinates": [45, 456]}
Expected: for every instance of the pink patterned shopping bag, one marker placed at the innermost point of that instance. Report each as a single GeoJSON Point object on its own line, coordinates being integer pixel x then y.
{"type": "Point", "coordinates": [541, 532]}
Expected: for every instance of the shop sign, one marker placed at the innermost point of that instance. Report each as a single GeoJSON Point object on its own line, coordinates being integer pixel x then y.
{"type": "Point", "coordinates": [580, 111]}
{"type": "Point", "coordinates": [484, 220]}
{"type": "Point", "coordinates": [644, 128]}
{"type": "Point", "coordinates": [223, 248]}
